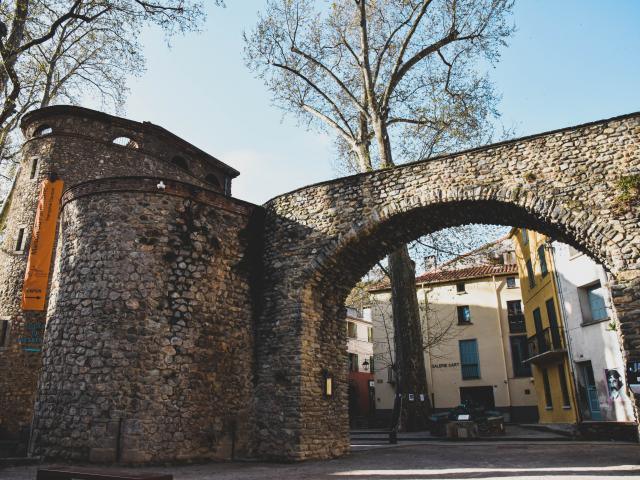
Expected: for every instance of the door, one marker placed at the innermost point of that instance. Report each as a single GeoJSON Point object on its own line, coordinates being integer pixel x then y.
{"type": "Point", "coordinates": [588, 391]}
{"type": "Point", "coordinates": [478, 396]}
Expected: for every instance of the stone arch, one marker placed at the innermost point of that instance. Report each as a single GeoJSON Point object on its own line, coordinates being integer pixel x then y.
{"type": "Point", "coordinates": [321, 239]}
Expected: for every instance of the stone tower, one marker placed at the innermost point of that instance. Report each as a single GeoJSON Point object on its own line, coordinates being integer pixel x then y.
{"type": "Point", "coordinates": [148, 296]}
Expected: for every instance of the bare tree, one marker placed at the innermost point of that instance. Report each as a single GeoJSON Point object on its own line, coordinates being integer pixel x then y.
{"type": "Point", "coordinates": [64, 51]}
{"type": "Point", "coordinates": [386, 77]}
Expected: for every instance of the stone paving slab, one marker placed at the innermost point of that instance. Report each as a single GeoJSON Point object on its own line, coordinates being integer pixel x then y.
{"type": "Point", "coordinates": [441, 460]}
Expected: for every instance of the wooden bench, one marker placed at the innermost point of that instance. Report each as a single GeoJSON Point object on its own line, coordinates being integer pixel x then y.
{"type": "Point", "coordinates": [73, 473]}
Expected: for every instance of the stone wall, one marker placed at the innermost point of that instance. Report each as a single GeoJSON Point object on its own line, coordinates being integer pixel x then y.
{"type": "Point", "coordinates": [151, 352]}
{"type": "Point", "coordinates": [564, 184]}
{"type": "Point", "coordinates": [149, 339]}
{"type": "Point", "coordinates": [78, 148]}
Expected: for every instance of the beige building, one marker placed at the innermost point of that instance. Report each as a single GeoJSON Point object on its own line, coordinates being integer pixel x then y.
{"type": "Point", "coordinates": [474, 337]}
{"type": "Point", "coordinates": [359, 340]}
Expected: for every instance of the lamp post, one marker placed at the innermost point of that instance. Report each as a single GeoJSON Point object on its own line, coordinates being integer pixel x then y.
{"type": "Point", "coordinates": [365, 365]}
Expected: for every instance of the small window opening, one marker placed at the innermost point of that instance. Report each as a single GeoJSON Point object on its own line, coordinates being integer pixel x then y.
{"type": "Point", "coordinates": [126, 142]}
{"type": "Point", "coordinates": [464, 314]}
{"type": "Point", "coordinates": [511, 282]}
{"type": "Point", "coordinates": [34, 169]}
{"type": "Point", "coordinates": [460, 288]}
{"type": "Point", "coordinates": [211, 179]}
{"type": "Point", "coordinates": [42, 131]}
{"type": "Point", "coordinates": [4, 332]}
{"type": "Point", "coordinates": [20, 240]}
{"type": "Point", "coordinates": [180, 162]}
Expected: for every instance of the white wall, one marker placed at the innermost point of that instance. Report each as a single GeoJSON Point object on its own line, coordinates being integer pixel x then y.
{"type": "Point", "coordinates": [595, 342]}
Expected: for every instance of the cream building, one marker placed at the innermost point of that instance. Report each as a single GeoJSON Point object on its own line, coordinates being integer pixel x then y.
{"type": "Point", "coordinates": [474, 336]}
{"type": "Point", "coordinates": [359, 340]}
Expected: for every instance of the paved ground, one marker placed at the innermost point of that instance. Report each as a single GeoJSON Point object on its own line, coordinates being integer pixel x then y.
{"type": "Point", "coordinates": [430, 461]}
{"type": "Point", "coordinates": [513, 432]}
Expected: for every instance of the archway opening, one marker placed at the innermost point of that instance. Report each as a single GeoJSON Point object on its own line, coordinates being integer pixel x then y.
{"type": "Point", "coordinates": [563, 382]}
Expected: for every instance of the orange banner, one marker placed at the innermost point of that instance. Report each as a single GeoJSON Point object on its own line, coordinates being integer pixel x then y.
{"type": "Point", "coordinates": [34, 291]}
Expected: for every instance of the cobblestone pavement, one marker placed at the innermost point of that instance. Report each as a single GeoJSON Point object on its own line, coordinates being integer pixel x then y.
{"type": "Point", "coordinates": [428, 461]}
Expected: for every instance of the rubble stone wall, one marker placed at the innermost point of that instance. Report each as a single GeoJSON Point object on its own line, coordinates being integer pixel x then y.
{"type": "Point", "coordinates": [183, 324]}
{"type": "Point", "coordinates": [567, 184]}
{"type": "Point", "coordinates": [149, 341]}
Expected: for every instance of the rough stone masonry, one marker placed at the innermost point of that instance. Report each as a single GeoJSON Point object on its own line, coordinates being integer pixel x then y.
{"type": "Point", "coordinates": [185, 324]}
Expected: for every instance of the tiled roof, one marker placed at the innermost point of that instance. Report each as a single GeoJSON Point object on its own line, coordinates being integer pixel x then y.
{"type": "Point", "coordinates": [444, 276]}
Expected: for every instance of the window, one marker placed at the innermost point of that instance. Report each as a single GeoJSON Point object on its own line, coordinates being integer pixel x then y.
{"type": "Point", "coordinates": [464, 314]}
{"type": "Point", "coordinates": [540, 345]}
{"type": "Point", "coordinates": [554, 328]}
{"type": "Point", "coordinates": [352, 330]}
{"type": "Point", "coordinates": [391, 374]}
{"type": "Point", "coordinates": [598, 308]}
{"type": "Point", "coordinates": [547, 389]}
{"type": "Point", "coordinates": [353, 362]}
{"type": "Point", "coordinates": [566, 403]}
{"type": "Point", "coordinates": [370, 334]}
{"type": "Point", "coordinates": [532, 279]}
{"type": "Point", "coordinates": [4, 332]}
{"type": "Point", "coordinates": [460, 288]}
{"type": "Point", "coordinates": [509, 258]}
{"type": "Point", "coordinates": [372, 365]}
{"type": "Point", "coordinates": [469, 359]}
{"type": "Point", "coordinates": [515, 316]}
{"type": "Point", "coordinates": [525, 236]}
{"type": "Point", "coordinates": [543, 261]}
{"type": "Point", "coordinates": [34, 168]}
{"type": "Point", "coordinates": [42, 131]}
{"type": "Point", "coordinates": [20, 240]}
{"type": "Point", "coordinates": [519, 355]}
{"type": "Point", "coordinates": [125, 142]}
{"type": "Point", "coordinates": [511, 282]}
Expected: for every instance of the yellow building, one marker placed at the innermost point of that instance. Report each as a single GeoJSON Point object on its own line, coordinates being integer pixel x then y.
{"type": "Point", "coordinates": [546, 342]}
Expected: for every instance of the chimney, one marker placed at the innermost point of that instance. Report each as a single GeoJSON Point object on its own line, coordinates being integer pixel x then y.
{"type": "Point", "coordinates": [430, 262]}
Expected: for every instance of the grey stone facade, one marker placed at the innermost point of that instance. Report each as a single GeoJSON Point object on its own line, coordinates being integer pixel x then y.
{"type": "Point", "coordinates": [184, 324]}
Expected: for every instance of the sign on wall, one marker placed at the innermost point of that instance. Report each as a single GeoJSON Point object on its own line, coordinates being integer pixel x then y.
{"type": "Point", "coordinates": [34, 291]}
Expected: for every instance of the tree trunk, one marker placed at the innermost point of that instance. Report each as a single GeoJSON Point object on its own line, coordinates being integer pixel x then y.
{"type": "Point", "coordinates": [415, 406]}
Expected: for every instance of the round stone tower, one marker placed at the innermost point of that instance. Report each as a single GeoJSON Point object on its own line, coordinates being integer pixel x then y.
{"type": "Point", "coordinates": [148, 300]}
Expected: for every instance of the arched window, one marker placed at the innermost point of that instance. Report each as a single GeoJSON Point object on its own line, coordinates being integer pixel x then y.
{"type": "Point", "coordinates": [180, 162]}
{"type": "Point", "coordinates": [212, 180]}
{"type": "Point", "coordinates": [126, 142]}
{"type": "Point", "coordinates": [42, 131]}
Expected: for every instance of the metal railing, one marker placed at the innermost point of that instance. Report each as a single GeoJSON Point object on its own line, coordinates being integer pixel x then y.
{"type": "Point", "coordinates": [548, 340]}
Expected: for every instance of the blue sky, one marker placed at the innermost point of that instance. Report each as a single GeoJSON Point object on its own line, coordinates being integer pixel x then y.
{"type": "Point", "coordinates": [570, 62]}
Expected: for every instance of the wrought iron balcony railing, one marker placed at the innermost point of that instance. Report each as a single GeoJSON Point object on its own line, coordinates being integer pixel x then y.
{"type": "Point", "coordinates": [545, 344]}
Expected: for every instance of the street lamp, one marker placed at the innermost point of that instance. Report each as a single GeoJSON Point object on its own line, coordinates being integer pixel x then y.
{"type": "Point", "coordinates": [365, 365]}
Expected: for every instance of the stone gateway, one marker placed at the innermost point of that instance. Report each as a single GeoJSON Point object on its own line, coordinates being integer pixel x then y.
{"type": "Point", "coordinates": [185, 324]}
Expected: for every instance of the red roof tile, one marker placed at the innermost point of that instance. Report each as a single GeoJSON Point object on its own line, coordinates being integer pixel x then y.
{"type": "Point", "coordinates": [444, 276]}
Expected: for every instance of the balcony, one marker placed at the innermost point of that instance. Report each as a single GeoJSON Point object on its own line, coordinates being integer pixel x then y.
{"type": "Point", "coordinates": [546, 346]}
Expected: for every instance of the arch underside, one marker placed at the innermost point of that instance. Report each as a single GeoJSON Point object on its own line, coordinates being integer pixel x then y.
{"type": "Point", "coordinates": [317, 295]}
{"type": "Point", "coordinates": [348, 261]}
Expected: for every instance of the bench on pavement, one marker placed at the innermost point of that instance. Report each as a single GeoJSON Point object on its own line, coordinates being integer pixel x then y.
{"type": "Point", "coordinates": [73, 473]}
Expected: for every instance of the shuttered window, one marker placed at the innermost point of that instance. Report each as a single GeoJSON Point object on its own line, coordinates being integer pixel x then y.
{"type": "Point", "coordinates": [469, 359]}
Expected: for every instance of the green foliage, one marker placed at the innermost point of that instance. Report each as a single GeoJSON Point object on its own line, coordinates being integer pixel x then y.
{"type": "Point", "coordinates": [629, 189]}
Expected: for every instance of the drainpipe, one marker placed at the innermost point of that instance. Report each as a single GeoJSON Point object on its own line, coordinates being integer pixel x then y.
{"type": "Point", "coordinates": [428, 366]}
{"type": "Point", "coordinates": [563, 314]}
{"type": "Point", "coordinates": [504, 363]}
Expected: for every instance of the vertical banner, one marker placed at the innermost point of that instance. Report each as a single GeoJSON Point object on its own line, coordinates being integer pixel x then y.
{"type": "Point", "coordinates": [34, 291]}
